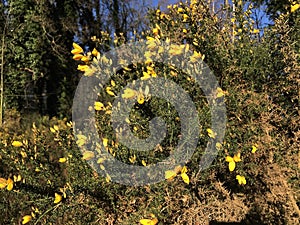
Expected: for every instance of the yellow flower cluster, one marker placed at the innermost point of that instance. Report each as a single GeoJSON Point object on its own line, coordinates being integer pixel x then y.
{"type": "Point", "coordinates": [78, 54]}
{"type": "Point", "coordinates": [171, 174]}
{"type": "Point", "coordinates": [232, 160]}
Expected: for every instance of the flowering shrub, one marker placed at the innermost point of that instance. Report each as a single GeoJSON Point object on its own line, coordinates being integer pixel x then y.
{"type": "Point", "coordinates": [44, 177]}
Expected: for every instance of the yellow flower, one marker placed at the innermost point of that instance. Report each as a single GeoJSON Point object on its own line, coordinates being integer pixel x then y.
{"type": "Point", "coordinates": [140, 98]}
{"type": "Point", "coordinates": [105, 142]}
{"type": "Point", "coordinates": [107, 178]}
{"type": "Point", "coordinates": [85, 59]}
{"type": "Point", "coordinates": [26, 219]}
{"type": "Point", "coordinates": [17, 178]}
{"type": "Point", "coordinates": [52, 130]}
{"type": "Point", "coordinates": [155, 31]}
{"type": "Point", "coordinates": [255, 31]}
{"type": "Point", "coordinates": [232, 161]}
{"type": "Point", "coordinates": [218, 145]}
{"type": "Point", "coordinates": [241, 179]}
{"type": "Point", "coordinates": [77, 49]}
{"type": "Point", "coordinates": [88, 155]}
{"type": "Point", "coordinates": [128, 93]}
{"type": "Point", "coordinates": [99, 106]}
{"type": "Point", "coordinates": [185, 17]}
{"type": "Point", "coordinates": [132, 159]}
{"type": "Point", "coordinates": [220, 92]}
{"type": "Point", "coordinates": [184, 176]}
{"type": "Point", "coordinates": [145, 76]}
{"type": "Point", "coordinates": [113, 83]}
{"type": "Point", "coordinates": [81, 140]}
{"type": "Point", "coordinates": [196, 56]}
{"type": "Point", "coordinates": [180, 10]}
{"type": "Point", "coordinates": [294, 7]}
{"type": "Point", "coordinates": [82, 68]}
{"type": "Point", "coordinates": [170, 174]}
{"type": "Point", "coordinates": [3, 183]}
{"type": "Point", "coordinates": [211, 133]}
{"type": "Point", "coordinates": [56, 127]}
{"type": "Point", "coordinates": [254, 148]}
{"type": "Point", "coordinates": [95, 52]}
{"type": "Point", "coordinates": [144, 163]}
{"type": "Point", "coordinates": [237, 157]}
{"type": "Point", "coordinates": [77, 57]}
{"type": "Point", "coordinates": [62, 160]}
{"type": "Point", "coordinates": [109, 91]}
{"type": "Point", "coordinates": [153, 221]}
{"type": "Point", "coordinates": [57, 198]}
{"type": "Point", "coordinates": [10, 184]}
{"type": "Point", "coordinates": [17, 144]}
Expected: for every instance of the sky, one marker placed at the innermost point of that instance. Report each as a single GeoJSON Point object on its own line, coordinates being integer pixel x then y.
{"type": "Point", "coordinates": [258, 12]}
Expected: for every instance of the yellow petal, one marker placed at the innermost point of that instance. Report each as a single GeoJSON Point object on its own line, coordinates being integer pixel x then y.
{"type": "Point", "coordinates": [57, 198]}
{"type": "Point", "coordinates": [105, 142]}
{"type": "Point", "coordinates": [26, 219]}
{"type": "Point", "coordinates": [109, 91]}
{"type": "Point", "coordinates": [218, 145]}
{"type": "Point", "coordinates": [153, 221]}
{"type": "Point", "coordinates": [62, 160]}
{"type": "Point", "coordinates": [170, 174]}
{"type": "Point", "coordinates": [155, 31]}
{"type": "Point", "coordinates": [185, 178]}
{"type": "Point", "coordinates": [82, 68]}
{"type": "Point", "coordinates": [3, 183]}
{"type": "Point", "coordinates": [10, 184]}
{"type": "Point", "coordinates": [132, 159]}
{"type": "Point", "coordinates": [17, 178]}
{"type": "Point", "coordinates": [95, 52]}
{"type": "Point", "coordinates": [99, 106]}
{"type": "Point", "coordinates": [107, 178]}
{"type": "Point", "coordinates": [145, 76]}
{"type": "Point", "coordinates": [76, 46]}
{"type": "Point", "coordinates": [17, 144]}
{"type": "Point", "coordinates": [254, 149]}
{"type": "Point", "coordinates": [140, 98]}
{"type": "Point", "coordinates": [85, 59]}
{"type": "Point", "coordinates": [77, 57]}
{"type": "Point", "coordinates": [76, 51]}
{"type": "Point", "coordinates": [52, 130]}
{"type": "Point", "coordinates": [185, 17]}
{"type": "Point", "coordinates": [231, 166]}
{"type": "Point", "coordinates": [88, 155]}
{"type": "Point", "coordinates": [229, 159]}
{"type": "Point", "coordinates": [144, 163]}
{"type": "Point", "coordinates": [195, 57]}
{"type": "Point", "coordinates": [184, 169]}
{"type": "Point", "coordinates": [241, 179]}
{"type": "Point", "coordinates": [100, 160]}
{"type": "Point", "coordinates": [237, 157]}
{"type": "Point", "coordinates": [128, 93]}
{"type": "Point", "coordinates": [211, 133]}
{"type": "Point", "coordinates": [113, 83]}
{"type": "Point", "coordinates": [255, 31]}
{"type": "Point", "coordinates": [295, 7]}
{"type": "Point", "coordinates": [220, 92]}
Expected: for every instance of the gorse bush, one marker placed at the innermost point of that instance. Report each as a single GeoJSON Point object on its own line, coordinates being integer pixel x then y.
{"type": "Point", "coordinates": [46, 177]}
